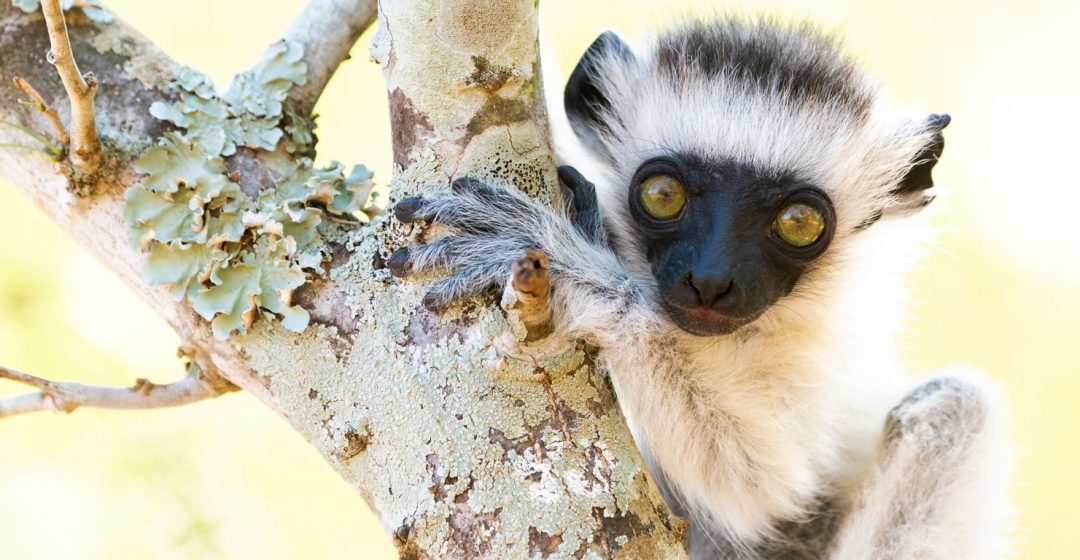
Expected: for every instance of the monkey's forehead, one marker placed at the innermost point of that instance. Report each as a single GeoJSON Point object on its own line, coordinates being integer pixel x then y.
{"type": "Point", "coordinates": [796, 61]}
{"type": "Point", "coordinates": [781, 98]}
{"type": "Point", "coordinates": [767, 132]}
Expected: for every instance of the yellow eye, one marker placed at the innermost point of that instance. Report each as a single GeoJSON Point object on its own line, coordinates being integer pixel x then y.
{"type": "Point", "coordinates": [799, 225]}
{"type": "Point", "coordinates": [663, 197]}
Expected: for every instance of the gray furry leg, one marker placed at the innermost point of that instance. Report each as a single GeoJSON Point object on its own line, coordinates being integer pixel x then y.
{"type": "Point", "coordinates": [939, 485]}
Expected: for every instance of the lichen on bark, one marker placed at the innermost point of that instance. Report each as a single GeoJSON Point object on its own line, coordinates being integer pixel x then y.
{"type": "Point", "coordinates": [459, 448]}
{"type": "Point", "coordinates": [463, 453]}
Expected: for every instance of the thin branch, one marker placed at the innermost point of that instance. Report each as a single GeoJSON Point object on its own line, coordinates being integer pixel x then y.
{"type": "Point", "coordinates": [49, 112]}
{"type": "Point", "coordinates": [328, 29]}
{"type": "Point", "coordinates": [59, 396]}
{"type": "Point", "coordinates": [85, 149]}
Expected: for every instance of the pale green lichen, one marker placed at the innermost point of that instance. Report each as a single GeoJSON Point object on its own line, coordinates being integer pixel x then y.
{"type": "Point", "coordinates": [92, 8]}
{"type": "Point", "coordinates": [248, 114]}
{"type": "Point", "coordinates": [234, 256]}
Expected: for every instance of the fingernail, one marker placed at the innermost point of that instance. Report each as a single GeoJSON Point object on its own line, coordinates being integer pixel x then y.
{"type": "Point", "coordinates": [406, 209]}
{"type": "Point", "coordinates": [399, 262]}
{"type": "Point", "coordinates": [432, 303]}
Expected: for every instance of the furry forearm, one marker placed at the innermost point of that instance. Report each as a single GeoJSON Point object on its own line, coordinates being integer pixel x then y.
{"type": "Point", "coordinates": [933, 494]}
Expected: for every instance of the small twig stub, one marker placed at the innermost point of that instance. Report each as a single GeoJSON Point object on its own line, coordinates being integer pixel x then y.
{"type": "Point", "coordinates": [532, 289]}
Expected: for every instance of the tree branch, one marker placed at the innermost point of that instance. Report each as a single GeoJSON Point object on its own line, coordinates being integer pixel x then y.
{"type": "Point", "coordinates": [59, 396]}
{"type": "Point", "coordinates": [458, 455]}
{"type": "Point", "coordinates": [85, 152]}
{"type": "Point", "coordinates": [328, 29]}
{"type": "Point", "coordinates": [43, 107]}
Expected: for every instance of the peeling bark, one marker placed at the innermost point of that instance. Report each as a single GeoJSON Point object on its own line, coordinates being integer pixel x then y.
{"type": "Point", "coordinates": [459, 447]}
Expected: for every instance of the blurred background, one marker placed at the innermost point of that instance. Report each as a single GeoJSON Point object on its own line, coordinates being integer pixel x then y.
{"type": "Point", "coordinates": [229, 479]}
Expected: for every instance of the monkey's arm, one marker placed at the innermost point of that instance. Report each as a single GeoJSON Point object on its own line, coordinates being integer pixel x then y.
{"type": "Point", "coordinates": [492, 227]}
{"type": "Point", "coordinates": [933, 494]}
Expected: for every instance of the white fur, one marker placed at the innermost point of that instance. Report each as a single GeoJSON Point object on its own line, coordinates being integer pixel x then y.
{"type": "Point", "coordinates": [759, 426]}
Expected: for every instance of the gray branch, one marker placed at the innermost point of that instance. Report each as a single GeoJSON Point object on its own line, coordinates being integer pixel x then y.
{"type": "Point", "coordinates": [58, 396]}
{"type": "Point", "coordinates": [328, 29]}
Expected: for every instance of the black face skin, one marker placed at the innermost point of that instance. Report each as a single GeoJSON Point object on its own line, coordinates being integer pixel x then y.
{"type": "Point", "coordinates": [720, 264]}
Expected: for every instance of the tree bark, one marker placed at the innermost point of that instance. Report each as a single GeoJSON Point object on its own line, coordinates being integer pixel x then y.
{"type": "Point", "coordinates": [460, 447]}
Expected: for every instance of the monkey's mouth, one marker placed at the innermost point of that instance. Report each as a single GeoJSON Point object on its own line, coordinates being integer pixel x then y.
{"type": "Point", "coordinates": [704, 321]}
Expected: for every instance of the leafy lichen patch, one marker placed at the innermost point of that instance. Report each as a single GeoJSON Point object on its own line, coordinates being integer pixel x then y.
{"type": "Point", "coordinates": [238, 254]}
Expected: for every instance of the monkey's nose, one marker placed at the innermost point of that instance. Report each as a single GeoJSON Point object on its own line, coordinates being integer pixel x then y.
{"type": "Point", "coordinates": [712, 290]}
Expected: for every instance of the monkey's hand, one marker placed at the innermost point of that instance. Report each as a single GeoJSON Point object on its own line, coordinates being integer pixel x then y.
{"type": "Point", "coordinates": [492, 227]}
{"type": "Point", "coordinates": [932, 494]}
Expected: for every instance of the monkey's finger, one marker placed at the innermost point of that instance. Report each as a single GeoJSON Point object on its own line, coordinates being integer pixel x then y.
{"type": "Point", "coordinates": [584, 210]}
{"type": "Point", "coordinates": [464, 283]}
{"type": "Point", "coordinates": [509, 203]}
{"type": "Point", "coordinates": [572, 179]}
{"type": "Point", "coordinates": [444, 209]}
{"type": "Point", "coordinates": [445, 252]}
{"type": "Point", "coordinates": [409, 210]}
{"type": "Point", "coordinates": [483, 191]}
{"type": "Point", "coordinates": [466, 213]}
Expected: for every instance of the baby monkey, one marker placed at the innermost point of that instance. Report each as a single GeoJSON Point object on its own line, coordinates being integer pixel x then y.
{"type": "Point", "coordinates": [738, 265]}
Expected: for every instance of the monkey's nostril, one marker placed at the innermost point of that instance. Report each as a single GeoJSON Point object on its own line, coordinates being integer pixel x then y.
{"type": "Point", "coordinates": [709, 290]}
{"type": "Point", "coordinates": [727, 289]}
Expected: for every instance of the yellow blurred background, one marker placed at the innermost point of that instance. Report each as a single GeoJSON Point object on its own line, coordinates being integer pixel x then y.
{"type": "Point", "coordinates": [229, 479]}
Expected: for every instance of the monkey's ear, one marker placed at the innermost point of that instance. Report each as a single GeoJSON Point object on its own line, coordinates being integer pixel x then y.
{"type": "Point", "coordinates": [586, 97]}
{"type": "Point", "coordinates": [918, 177]}
{"type": "Point", "coordinates": [911, 193]}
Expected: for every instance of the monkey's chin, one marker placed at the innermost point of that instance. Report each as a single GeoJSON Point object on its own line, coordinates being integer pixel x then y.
{"type": "Point", "coordinates": [702, 321]}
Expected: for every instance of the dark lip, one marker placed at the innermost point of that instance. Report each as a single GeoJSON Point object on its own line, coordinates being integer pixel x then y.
{"type": "Point", "coordinates": [702, 321]}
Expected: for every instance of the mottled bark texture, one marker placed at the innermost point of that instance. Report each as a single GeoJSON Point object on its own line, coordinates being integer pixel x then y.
{"type": "Point", "coordinates": [465, 441]}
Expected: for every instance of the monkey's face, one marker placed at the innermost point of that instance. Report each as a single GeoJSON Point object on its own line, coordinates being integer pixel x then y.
{"type": "Point", "coordinates": [725, 243]}
{"type": "Point", "coordinates": [738, 163]}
